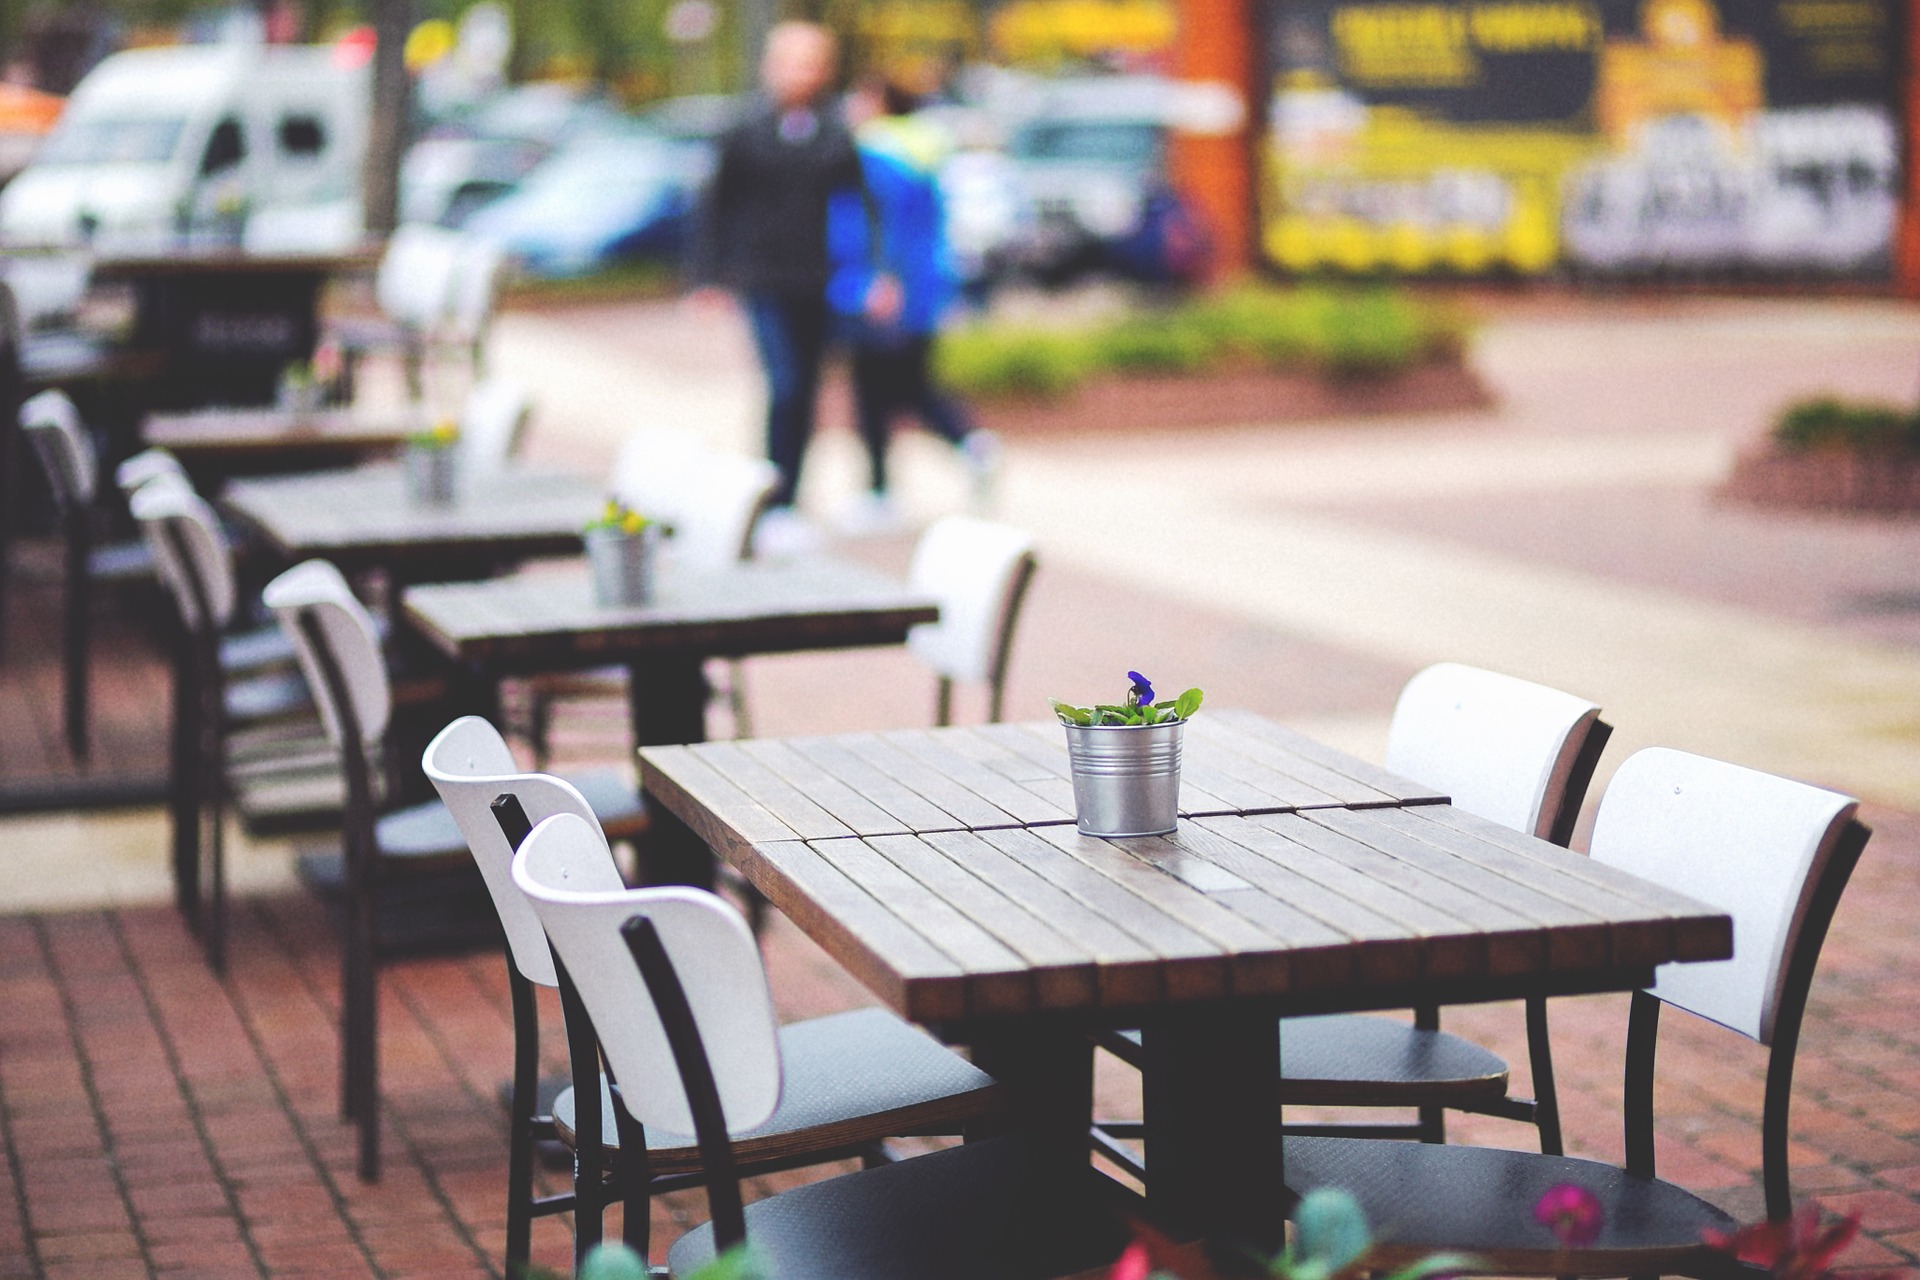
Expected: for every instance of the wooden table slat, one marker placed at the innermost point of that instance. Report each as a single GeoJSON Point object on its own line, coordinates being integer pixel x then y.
{"type": "Point", "coordinates": [997, 980]}
{"type": "Point", "coordinates": [882, 753]}
{"type": "Point", "coordinates": [847, 806]}
{"type": "Point", "coordinates": [1629, 941]}
{"type": "Point", "coordinates": [785, 801]}
{"type": "Point", "coordinates": [1025, 804]}
{"type": "Point", "coordinates": [1579, 934]}
{"type": "Point", "coordinates": [874, 944]}
{"type": "Point", "coordinates": [676, 775]}
{"type": "Point", "coordinates": [913, 811]}
{"type": "Point", "coordinates": [1193, 965]}
{"type": "Point", "coordinates": [1063, 971]}
{"type": "Point", "coordinates": [1126, 968]}
{"type": "Point", "coordinates": [1253, 965]}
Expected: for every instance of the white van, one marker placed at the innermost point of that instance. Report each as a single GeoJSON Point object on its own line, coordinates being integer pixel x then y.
{"type": "Point", "coordinates": [156, 141]}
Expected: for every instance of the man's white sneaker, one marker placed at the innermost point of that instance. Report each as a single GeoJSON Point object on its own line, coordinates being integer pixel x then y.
{"type": "Point", "coordinates": [871, 515]}
{"type": "Point", "coordinates": [784, 534]}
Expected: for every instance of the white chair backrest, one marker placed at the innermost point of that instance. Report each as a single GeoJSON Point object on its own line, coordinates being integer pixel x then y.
{"type": "Point", "coordinates": [65, 448]}
{"type": "Point", "coordinates": [717, 498]}
{"type": "Point", "coordinates": [175, 520]}
{"type": "Point", "coordinates": [491, 424]}
{"type": "Point", "coordinates": [1501, 747]}
{"type": "Point", "coordinates": [712, 950]}
{"type": "Point", "coordinates": [649, 464]}
{"type": "Point", "coordinates": [970, 566]}
{"type": "Point", "coordinates": [146, 465]}
{"type": "Point", "coordinates": [475, 288]}
{"type": "Point", "coordinates": [1751, 844]}
{"type": "Point", "coordinates": [469, 764]}
{"type": "Point", "coordinates": [347, 630]}
{"type": "Point", "coordinates": [414, 284]}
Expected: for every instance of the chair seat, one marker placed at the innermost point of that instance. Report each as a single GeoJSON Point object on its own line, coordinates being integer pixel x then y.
{"type": "Point", "coordinates": [1425, 1198]}
{"type": "Point", "coordinates": [1346, 1059]}
{"type": "Point", "coordinates": [273, 696]}
{"type": "Point", "coordinates": [253, 649]}
{"type": "Point", "coordinates": [119, 563]}
{"type": "Point", "coordinates": [948, 1214]}
{"type": "Point", "coordinates": [849, 1078]}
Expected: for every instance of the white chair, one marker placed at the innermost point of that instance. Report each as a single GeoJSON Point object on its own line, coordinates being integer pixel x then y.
{"type": "Point", "coordinates": [414, 289]}
{"type": "Point", "coordinates": [692, 1048]}
{"type": "Point", "coordinates": [52, 425]}
{"type": "Point", "coordinates": [418, 850]}
{"type": "Point", "coordinates": [979, 572]}
{"type": "Point", "coordinates": [1775, 856]}
{"type": "Point", "coordinates": [710, 500]}
{"type": "Point", "coordinates": [1508, 750]}
{"type": "Point", "coordinates": [857, 1077]}
{"type": "Point", "coordinates": [493, 424]}
{"type": "Point", "coordinates": [472, 298]}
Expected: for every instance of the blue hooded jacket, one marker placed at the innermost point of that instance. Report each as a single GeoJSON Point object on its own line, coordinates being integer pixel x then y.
{"type": "Point", "coordinates": [900, 159]}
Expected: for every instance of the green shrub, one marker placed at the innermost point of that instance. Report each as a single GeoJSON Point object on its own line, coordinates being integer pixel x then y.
{"type": "Point", "coordinates": [1338, 332]}
{"type": "Point", "coordinates": [1168, 342]}
{"type": "Point", "coordinates": [1829, 422]}
{"type": "Point", "coordinates": [1038, 363]}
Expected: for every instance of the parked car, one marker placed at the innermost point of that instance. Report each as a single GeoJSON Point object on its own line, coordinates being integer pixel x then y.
{"type": "Point", "coordinates": [600, 200]}
{"type": "Point", "coordinates": [1091, 155]}
{"type": "Point", "coordinates": [466, 161]}
{"type": "Point", "coordinates": [154, 141]}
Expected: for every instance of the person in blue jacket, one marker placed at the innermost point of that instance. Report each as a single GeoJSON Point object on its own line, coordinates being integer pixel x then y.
{"type": "Point", "coordinates": [890, 298]}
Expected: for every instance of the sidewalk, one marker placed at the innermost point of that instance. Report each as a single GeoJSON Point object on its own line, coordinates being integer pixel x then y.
{"type": "Point", "coordinates": [156, 1122]}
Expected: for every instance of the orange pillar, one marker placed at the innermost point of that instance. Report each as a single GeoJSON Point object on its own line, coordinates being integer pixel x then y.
{"type": "Point", "coordinates": [1211, 160]}
{"type": "Point", "coordinates": [1906, 270]}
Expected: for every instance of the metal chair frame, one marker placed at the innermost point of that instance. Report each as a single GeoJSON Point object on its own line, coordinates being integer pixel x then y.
{"type": "Point", "coordinates": [596, 1184]}
{"type": "Point", "coordinates": [76, 521]}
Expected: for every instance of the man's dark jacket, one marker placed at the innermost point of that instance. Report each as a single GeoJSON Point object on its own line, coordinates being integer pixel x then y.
{"type": "Point", "coordinates": [763, 218]}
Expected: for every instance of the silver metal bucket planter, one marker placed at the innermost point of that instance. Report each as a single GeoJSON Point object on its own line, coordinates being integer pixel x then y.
{"type": "Point", "coordinates": [621, 565]}
{"type": "Point", "coordinates": [1126, 777]}
{"type": "Point", "coordinates": [430, 475]}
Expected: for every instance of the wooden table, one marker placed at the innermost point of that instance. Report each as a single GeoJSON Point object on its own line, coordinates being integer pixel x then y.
{"type": "Point", "coordinates": [548, 621]}
{"type": "Point", "coordinates": [942, 868]}
{"type": "Point", "coordinates": [226, 321]}
{"type": "Point", "coordinates": [255, 441]}
{"type": "Point", "coordinates": [363, 519]}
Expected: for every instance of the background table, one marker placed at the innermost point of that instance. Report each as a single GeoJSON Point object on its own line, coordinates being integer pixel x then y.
{"type": "Point", "coordinates": [215, 443]}
{"type": "Point", "coordinates": [1327, 885]}
{"type": "Point", "coordinates": [226, 322]}
{"type": "Point", "coordinates": [363, 519]}
{"type": "Point", "coordinates": [548, 621]}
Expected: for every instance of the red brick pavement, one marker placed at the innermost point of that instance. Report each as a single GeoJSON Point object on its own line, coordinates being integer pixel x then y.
{"type": "Point", "coordinates": [157, 1122]}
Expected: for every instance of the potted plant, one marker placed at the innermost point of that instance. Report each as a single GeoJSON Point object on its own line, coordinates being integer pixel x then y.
{"type": "Point", "coordinates": [1125, 759]}
{"type": "Point", "coordinates": [620, 545]}
{"type": "Point", "coordinates": [299, 391]}
{"type": "Point", "coordinates": [430, 459]}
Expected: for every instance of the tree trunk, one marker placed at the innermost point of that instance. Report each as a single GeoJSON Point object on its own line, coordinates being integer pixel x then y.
{"type": "Point", "coordinates": [388, 125]}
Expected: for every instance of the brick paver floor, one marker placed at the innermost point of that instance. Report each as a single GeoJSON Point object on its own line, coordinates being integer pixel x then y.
{"type": "Point", "coordinates": [157, 1121]}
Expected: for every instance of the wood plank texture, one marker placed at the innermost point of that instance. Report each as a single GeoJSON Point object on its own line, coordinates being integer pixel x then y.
{"type": "Point", "coordinates": [364, 516]}
{"type": "Point", "coordinates": [1366, 892]}
{"type": "Point", "coordinates": [255, 431]}
{"type": "Point", "coordinates": [549, 620]}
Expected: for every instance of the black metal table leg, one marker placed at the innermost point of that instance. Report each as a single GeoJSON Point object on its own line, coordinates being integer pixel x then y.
{"type": "Point", "coordinates": [667, 702]}
{"type": "Point", "coordinates": [1046, 1068]}
{"type": "Point", "coordinates": [1211, 1094]}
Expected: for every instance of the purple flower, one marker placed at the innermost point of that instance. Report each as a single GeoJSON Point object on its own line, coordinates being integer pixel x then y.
{"type": "Point", "coordinates": [1572, 1213]}
{"type": "Point", "coordinates": [1141, 695]}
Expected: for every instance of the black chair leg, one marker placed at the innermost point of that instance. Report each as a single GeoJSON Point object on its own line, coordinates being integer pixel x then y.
{"type": "Point", "coordinates": [636, 1179]}
{"type": "Point", "coordinates": [79, 611]}
{"type": "Point", "coordinates": [185, 768]}
{"type": "Point", "coordinates": [526, 1083]}
{"type": "Point", "coordinates": [1433, 1120]}
{"type": "Point", "coordinates": [366, 1045]}
{"type": "Point", "coordinates": [1546, 1098]}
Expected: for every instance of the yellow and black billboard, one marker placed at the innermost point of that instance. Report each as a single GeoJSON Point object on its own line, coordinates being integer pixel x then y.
{"type": "Point", "coordinates": [1608, 136]}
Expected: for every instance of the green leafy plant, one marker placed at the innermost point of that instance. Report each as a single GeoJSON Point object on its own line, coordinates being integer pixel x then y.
{"type": "Point", "coordinates": [988, 360]}
{"type": "Point", "coordinates": [1138, 709]}
{"type": "Point", "coordinates": [1829, 422]}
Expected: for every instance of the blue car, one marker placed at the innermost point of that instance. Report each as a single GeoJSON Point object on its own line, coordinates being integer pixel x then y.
{"type": "Point", "coordinates": [600, 200]}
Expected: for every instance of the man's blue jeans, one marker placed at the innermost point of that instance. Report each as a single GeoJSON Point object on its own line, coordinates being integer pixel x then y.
{"type": "Point", "coordinates": [791, 332]}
